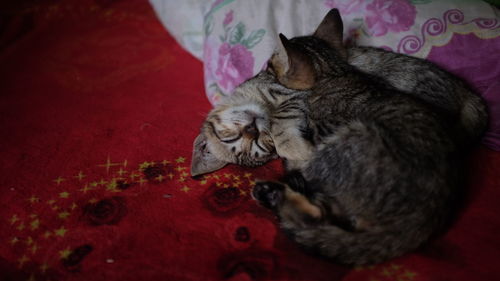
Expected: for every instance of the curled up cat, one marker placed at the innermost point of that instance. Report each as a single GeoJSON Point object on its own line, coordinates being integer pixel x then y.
{"type": "Point", "coordinates": [371, 142]}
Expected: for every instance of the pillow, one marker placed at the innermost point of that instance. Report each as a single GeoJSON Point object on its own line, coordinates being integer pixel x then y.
{"type": "Point", "coordinates": [461, 36]}
{"type": "Point", "coordinates": [241, 35]}
{"type": "Point", "coordinates": [184, 21]}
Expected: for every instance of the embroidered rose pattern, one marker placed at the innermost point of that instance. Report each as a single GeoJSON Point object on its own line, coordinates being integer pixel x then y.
{"type": "Point", "coordinates": [235, 65]}
{"type": "Point", "coordinates": [242, 234]}
{"type": "Point", "coordinates": [107, 211]}
{"type": "Point", "coordinates": [384, 16]}
{"type": "Point", "coordinates": [232, 62]}
{"type": "Point", "coordinates": [224, 201]}
{"type": "Point", "coordinates": [72, 263]}
{"type": "Point", "coordinates": [256, 263]}
{"type": "Point", "coordinates": [228, 18]}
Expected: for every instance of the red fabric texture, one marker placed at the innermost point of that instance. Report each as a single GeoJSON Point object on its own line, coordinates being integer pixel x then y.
{"type": "Point", "coordinates": [99, 107]}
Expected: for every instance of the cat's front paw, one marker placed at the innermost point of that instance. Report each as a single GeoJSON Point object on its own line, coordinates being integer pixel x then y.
{"type": "Point", "coordinates": [269, 194]}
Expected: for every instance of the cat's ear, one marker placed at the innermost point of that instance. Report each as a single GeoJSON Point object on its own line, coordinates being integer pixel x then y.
{"type": "Point", "coordinates": [293, 68]}
{"type": "Point", "coordinates": [331, 30]}
{"type": "Point", "coordinates": [203, 161]}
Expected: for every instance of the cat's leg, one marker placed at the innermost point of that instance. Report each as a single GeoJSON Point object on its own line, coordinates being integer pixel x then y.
{"type": "Point", "coordinates": [298, 204]}
{"type": "Point", "coordinates": [294, 149]}
{"type": "Point", "coordinates": [286, 202]}
{"type": "Point", "coordinates": [289, 141]}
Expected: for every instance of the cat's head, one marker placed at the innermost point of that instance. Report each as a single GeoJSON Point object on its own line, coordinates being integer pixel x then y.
{"type": "Point", "coordinates": [233, 133]}
{"type": "Point", "coordinates": [238, 129]}
{"type": "Point", "coordinates": [299, 63]}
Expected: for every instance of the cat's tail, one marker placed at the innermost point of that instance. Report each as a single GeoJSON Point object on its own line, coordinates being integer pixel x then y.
{"type": "Point", "coordinates": [473, 116]}
{"type": "Point", "coordinates": [356, 248]}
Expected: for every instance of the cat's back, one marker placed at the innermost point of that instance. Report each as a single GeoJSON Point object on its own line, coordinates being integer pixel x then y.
{"type": "Point", "coordinates": [429, 83]}
{"type": "Point", "coordinates": [380, 122]}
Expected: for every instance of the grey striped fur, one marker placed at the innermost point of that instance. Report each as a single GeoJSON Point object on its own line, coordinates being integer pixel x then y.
{"type": "Point", "coordinates": [371, 144]}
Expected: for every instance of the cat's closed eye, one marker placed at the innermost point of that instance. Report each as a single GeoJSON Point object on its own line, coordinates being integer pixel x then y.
{"type": "Point", "coordinates": [231, 140]}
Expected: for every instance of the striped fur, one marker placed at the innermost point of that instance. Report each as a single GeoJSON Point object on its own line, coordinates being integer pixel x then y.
{"type": "Point", "coordinates": [372, 164]}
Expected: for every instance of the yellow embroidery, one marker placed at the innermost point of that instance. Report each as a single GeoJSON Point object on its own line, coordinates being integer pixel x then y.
{"type": "Point", "coordinates": [23, 260]}
{"type": "Point", "coordinates": [29, 241]}
{"type": "Point", "coordinates": [63, 205]}
{"type": "Point", "coordinates": [14, 240]}
{"type": "Point", "coordinates": [80, 176]}
{"type": "Point", "coordinates": [392, 272]}
{"type": "Point", "coordinates": [44, 267]}
{"type": "Point", "coordinates": [33, 199]}
{"type": "Point", "coordinates": [143, 166]}
{"type": "Point", "coordinates": [61, 231]}
{"type": "Point", "coordinates": [85, 189]}
{"type": "Point", "coordinates": [14, 219]}
{"type": "Point", "coordinates": [110, 164]}
{"type": "Point", "coordinates": [133, 176]}
{"type": "Point", "coordinates": [160, 178]}
{"type": "Point", "coordinates": [112, 186]}
{"type": "Point", "coordinates": [34, 248]}
{"type": "Point", "coordinates": [21, 226]}
{"type": "Point", "coordinates": [59, 180]}
{"type": "Point", "coordinates": [121, 172]}
{"type": "Point", "coordinates": [35, 224]}
{"type": "Point", "coordinates": [63, 215]}
{"type": "Point", "coordinates": [64, 254]}
{"type": "Point", "coordinates": [64, 194]}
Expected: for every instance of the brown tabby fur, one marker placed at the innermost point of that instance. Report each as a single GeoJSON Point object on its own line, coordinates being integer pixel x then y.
{"type": "Point", "coordinates": [372, 164]}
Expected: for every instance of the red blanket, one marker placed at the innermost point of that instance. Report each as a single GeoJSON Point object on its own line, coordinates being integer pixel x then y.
{"type": "Point", "coordinates": [99, 108]}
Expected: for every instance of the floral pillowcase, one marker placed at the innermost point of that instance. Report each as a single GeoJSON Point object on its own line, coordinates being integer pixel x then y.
{"type": "Point", "coordinates": [240, 35]}
{"type": "Point", "coordinates": [235, 38]}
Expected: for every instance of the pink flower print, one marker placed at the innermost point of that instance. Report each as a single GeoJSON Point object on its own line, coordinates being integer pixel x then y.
{"type": "Point", "coordinates": [345, 7]}
{"type": "Point", "coordinates": [217, 2]}
{"type": "Point", "coordinates": [234, 66]}
{"type": "Point", "coordinates": [228, 19]}
{"type": "Point", "coordinates": [383, 16]}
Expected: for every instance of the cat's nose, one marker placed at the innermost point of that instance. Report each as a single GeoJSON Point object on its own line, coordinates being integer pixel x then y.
{"type": "Point", "coordinates": [251, 129]}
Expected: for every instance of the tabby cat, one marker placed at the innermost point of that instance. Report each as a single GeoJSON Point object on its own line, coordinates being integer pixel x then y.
{"type": "Point", "coordinates": [371, 163]}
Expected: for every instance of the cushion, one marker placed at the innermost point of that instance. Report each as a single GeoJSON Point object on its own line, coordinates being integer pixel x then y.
{"type": "Point", "coordinates": [240, 35]}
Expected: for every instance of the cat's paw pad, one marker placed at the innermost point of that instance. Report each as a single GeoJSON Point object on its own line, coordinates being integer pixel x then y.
{"type": "Point", "coordinates": [268, 193]}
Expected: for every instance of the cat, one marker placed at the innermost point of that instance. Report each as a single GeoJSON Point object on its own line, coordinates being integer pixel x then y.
{"type": "Point", "coordinates": [371, 170]}
{"type": "Point", "coordinates": [417, 77]}
{"type": "Point", "coordinates": [424, 80]}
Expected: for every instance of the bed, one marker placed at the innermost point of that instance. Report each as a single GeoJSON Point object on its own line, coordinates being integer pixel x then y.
{"type": "Point", "coordinates": [99, 108]}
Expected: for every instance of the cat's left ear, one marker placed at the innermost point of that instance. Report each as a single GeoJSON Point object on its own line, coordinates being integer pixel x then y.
{"type": "Point", "coordinates": [203, 161]}
{"type": "Point", "coordinates": [293, 68]}
{"type": "Point", "coordinates": [331, 30]}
